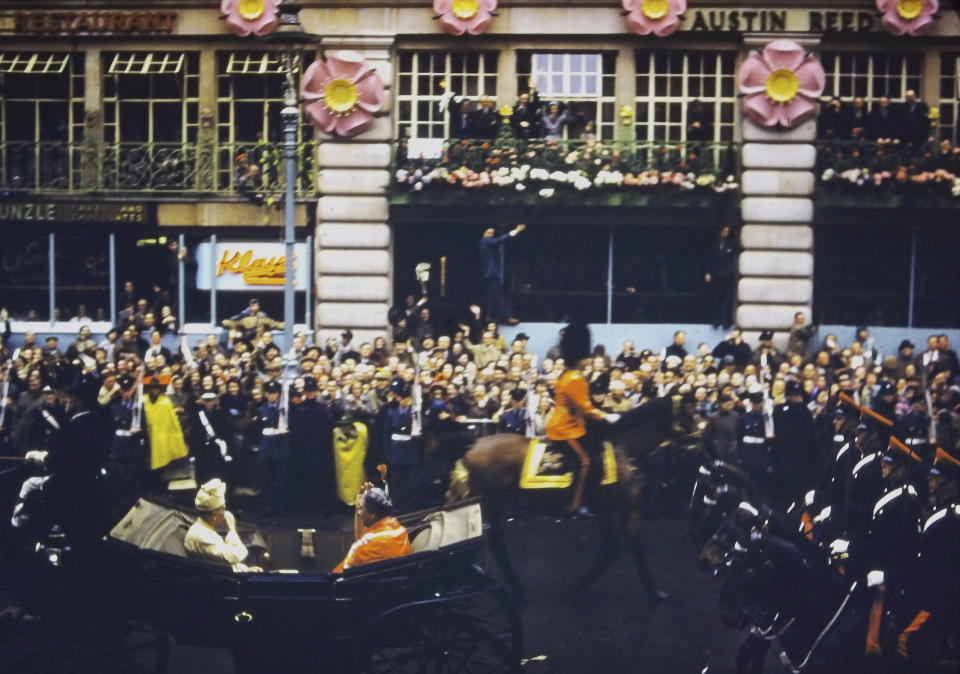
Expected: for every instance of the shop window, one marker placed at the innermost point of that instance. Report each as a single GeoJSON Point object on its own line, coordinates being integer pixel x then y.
{"type": "Point", "coordinates": [424, 76]}
{"type": "Point", "coordinates": [249, 101]}
{"type": "Point", "coordinates": [584, 81]}
{"type": "Point", "coordinates": [674, 89]}
{"type": "Point", "coordinates": [41, 118]}
{"type": "Point", "coordinates": [24, 276]}
{"type": "Point", "coordinates": [949, 96]}
{"type": "Point", "coordinates": [871, 76]}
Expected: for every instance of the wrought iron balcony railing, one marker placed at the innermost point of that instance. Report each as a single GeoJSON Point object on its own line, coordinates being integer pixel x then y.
{"type": "Point", "coordinates": [254, 169]}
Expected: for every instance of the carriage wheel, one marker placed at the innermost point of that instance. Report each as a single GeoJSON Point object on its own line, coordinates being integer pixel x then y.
{"type": "Point", "coordinates": [441, 643]}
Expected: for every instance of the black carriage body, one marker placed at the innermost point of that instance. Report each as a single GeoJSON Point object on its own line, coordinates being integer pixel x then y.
{"type": "Point", "coordinates": [288, 617]}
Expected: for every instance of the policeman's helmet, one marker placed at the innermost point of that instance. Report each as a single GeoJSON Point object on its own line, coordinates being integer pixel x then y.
{"type": "Point", "coordinates": [271, 387]}
{"type": "Point", "coordinates": [310, 383]}
{"type": "Point", "coordinates": [518, 394]}
{"type": "Point", "coordinates": [886, 388]}
{"type": "Point", "coordinates": [794, 388]}
{"type": "Point", "coordinates": [126, 382]}
{"type": "Point", "coordinates": [400, 388]}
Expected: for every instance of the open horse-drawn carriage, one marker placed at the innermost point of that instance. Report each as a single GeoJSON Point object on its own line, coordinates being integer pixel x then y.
{"type": "Point", "coordinates": [113, 604]}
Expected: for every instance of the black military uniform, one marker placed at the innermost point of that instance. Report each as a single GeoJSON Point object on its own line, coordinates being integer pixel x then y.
{"type": "Point", "coordinates": [402, 448]}
{"type": "Point", "coordinates": [752, 442]}
{"type": "Point", "coordinates": [913, 428]}
{"type": "Point", "coordinates": [210, 428]}
{"type": "Point", "coordinates": [128, 455]}
{"type": "Point", "coordinates": [274, 454]}
{"type": "Point", "coordinates": [794, 453]}
{"type": "Point", "coordinates": [311, 449]}
{"type": "Point", "coordinates": [45, 420]}
{"type": "Point", "coordinates": [514, 420]}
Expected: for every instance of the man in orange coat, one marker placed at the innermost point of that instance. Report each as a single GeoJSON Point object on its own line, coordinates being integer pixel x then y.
{"type": "Point", "coordinates": [567, 422]}
{"type": "Point", "coordinates": [378, 534]}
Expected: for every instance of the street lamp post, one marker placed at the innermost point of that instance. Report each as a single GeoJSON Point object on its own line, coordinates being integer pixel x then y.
{"type": "Point", "coordinates": [290, 34]}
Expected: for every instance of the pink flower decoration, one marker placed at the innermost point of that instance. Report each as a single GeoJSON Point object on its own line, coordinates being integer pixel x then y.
{"type": "Point", "coordinates": [465, 16]}
{"type": "Point", "coordinates": [250, 16]}
{"type": "Point", "coordinates": [660, 17]}
{"type": "Point", "coordinates": [342, 93]}
{"type": "Point", "coordinates": [907, 16]}
{"type": "Point", "coordinates": [781, 84]}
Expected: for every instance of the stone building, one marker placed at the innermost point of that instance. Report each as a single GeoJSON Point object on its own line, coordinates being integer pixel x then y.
{"type": "Point", "coordinates": [127, 128]}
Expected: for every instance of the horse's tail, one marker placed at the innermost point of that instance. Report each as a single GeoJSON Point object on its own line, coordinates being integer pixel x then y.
{"type": "Point", "coordinates": [459, 488]}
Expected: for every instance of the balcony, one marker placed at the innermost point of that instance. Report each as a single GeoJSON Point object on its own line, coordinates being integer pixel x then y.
{"type": "Point", "coordinates": [888, 175]}
{"type": "Point", "coordinates": [511, 172]}
{"type": "Point", "coordinates": [254, 170]}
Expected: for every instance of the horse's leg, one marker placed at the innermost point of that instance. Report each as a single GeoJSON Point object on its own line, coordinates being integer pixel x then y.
{"type": "Point", "coordinates": [610, 543]}
{"type": "Point", "coordinates": [752, 653]}
{"type": "Point", "coordinates": [636, 547]}
{"type": "Point", "coordinates": [498, 548]}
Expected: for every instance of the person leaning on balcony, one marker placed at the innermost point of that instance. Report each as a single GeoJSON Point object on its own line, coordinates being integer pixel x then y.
{"type": "Point", "coordinates": [252, 321]}
{"type": "Point", "coordinates": [554, 121]}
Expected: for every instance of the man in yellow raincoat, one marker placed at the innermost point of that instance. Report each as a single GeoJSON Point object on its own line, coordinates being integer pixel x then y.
{"type": "Point", "coordinates": [163, 427]}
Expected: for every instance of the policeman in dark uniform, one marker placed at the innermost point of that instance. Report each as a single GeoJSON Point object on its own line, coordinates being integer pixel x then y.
{"type": "Point", "coordinates": [211, 430]}
{"type": "Point", "coordinates": [403, 447]}
{"type": "Point", "coordinates": [47, 419]}
{"type": "Point", "coordinates": [514, 420]}
{"type": "Point", "coordinates": [885, 401]}
{"type": "Point", "coordinates": [795, 458]}
{"type": "Point", "coordinates": [274, 453]}
{"type": "Point", "coordinates": [127, 463]}
{"type": "Point", "coordinates": [752, 442]}
{"type": "Point", "coordinates": [913, 428]}
{"type": "Point", "coordinates": [311, 445]}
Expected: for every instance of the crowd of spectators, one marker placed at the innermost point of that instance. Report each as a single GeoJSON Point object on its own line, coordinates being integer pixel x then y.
{"type": "Point", "coordinates": [462, 372]}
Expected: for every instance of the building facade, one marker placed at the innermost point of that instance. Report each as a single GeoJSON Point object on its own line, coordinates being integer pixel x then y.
{"type": "Point", "coordinates": [142, 144]}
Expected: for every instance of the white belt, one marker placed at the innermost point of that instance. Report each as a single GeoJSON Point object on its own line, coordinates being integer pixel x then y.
{"type": "Point", "coordinates": [272, 431]}
{"type": "Point", "coordinates": [839, 438]}
{"type": "Point", "coordinates": [400, 437]}
{"type": "Point", "coordinates": [916, 441]}
{"type": "Point", "coordinates": [124, 434]}
{"type": "Point", "coordinates": [751, 440]}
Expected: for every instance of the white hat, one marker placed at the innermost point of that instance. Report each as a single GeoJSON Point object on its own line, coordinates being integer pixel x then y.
{"type": "Point", "coordinates": [211, 496]}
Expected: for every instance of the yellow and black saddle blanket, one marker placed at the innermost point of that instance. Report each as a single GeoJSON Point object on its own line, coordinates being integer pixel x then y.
{"type": "Point", "coordinates": [552, 465]}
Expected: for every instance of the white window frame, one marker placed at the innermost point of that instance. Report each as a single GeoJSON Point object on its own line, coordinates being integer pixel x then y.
{"type": "Point", "coordinates": [949, 77]}
{"type": "Point", "coordinates": [484, 83]}
{"type": "Point", "coordinates": [36, 63]}
{"type": "Point", "coordinates": [873, 71]}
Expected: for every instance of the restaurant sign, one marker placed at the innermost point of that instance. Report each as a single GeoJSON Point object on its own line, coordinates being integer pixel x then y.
{"type": "Point", "coordinates": [104, 21]}
{"type": "Point", "coordinates": [245, 265]}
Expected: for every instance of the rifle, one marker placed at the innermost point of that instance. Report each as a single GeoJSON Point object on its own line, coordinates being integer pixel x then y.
{"type": "Point", "coordinates": [533, 401]}
{"type": "Point", "coordinates": [416, 420]}
{"type": "Point", "coordinates": [6, 392]}
{"type": "Point", "coordinates": [283, 417]}
{"type": "Point", "coordinates": [136, 422]}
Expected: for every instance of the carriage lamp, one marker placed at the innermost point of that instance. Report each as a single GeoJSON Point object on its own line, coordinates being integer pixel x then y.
{"type": "Point", "coordinates": [626, 115]}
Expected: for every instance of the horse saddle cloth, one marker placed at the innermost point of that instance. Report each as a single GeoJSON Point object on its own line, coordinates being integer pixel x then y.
{"type": "Point", "coordinates": [552, 466]}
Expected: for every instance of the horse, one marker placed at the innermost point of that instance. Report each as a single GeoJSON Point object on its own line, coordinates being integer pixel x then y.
{"type": "Point", "coordinates": [492, 469]}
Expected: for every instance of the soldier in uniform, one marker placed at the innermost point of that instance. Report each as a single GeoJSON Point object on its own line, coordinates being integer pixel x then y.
{"type": "Point", "coordinates": [913, 428]}
{"type": "Point", "coordinates": [274, 453]}
{"type": "Point", "coordinates": [211, 430]}
{"type": "Point", "coordinates": [311, 449]}
{"type": "Point", "coordinates": [514, 420]}
{"type": "Point", "coordinates": [567, 421]}
{"type": "Point", "coordinates": [45, 419]}
{"type": "Point", "coordinates": [127, 465]}
{"type": "Point", "coordinates": [795, 457]}
{"type": "Point", "coordinates": [885, 401]}
{"type": "Point", "coordinates": [403, 448]}
{"type": "Point", "coordinates": [752, 439]}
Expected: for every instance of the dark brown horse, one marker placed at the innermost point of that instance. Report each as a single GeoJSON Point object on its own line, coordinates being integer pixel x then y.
{"type": "Point", "coordinates": [492, 467]}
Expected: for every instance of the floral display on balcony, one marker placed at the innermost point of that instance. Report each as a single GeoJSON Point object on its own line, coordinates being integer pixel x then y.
{"type": "Point", "coordinates": [465, 16]}
{"type": "Point", "coordinates": [342, 94]}
{"type": "Point", "coordinates": [548, 169]}
{"type": "Point", "coordinates": [890, 168]}
{"type": "Point", "coordinates": [660, 17]}
{"type": "Point", "coordinates": [781, 84]}
{"type": "Point", "coordinates": [907, 16]}
{"type": "Point", "coordinates": [245, 17]}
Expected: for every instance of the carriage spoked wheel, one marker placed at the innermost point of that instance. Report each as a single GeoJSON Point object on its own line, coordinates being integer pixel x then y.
{"type": "Point", "coordinates": [134, 648]}
{"type": "Point", "coordinates": [440, 643]}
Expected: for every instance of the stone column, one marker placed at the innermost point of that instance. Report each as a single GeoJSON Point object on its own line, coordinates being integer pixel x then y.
{"type": "Point", "coordinates": [776, 262]}
{"type": "Point", "coordinates": [354, 244]}
{"type": "Point", "coordinates": [776, 259]}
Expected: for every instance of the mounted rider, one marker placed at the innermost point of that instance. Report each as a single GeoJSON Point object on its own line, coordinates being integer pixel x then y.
{"type": "Point", "coordinates": [567, 422]}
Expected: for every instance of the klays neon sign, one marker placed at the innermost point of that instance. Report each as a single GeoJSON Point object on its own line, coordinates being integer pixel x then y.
{"type": "Point", "coordinates": [260, 271]}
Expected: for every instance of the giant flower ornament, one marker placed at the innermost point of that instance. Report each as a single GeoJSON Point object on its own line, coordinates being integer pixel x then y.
{"type": "Point", "coordinates": [465, 16]}
{"type": "Point", "coordinates": [250, 16]}
{"type": "Point", "coordinates": [342, 93]}
{"type": "Point", "coordinates": [781, 84]}
{"type": "Point", "coordinates": [907, 16]}
{"type": "Point", "coordinates": [660, 17]}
